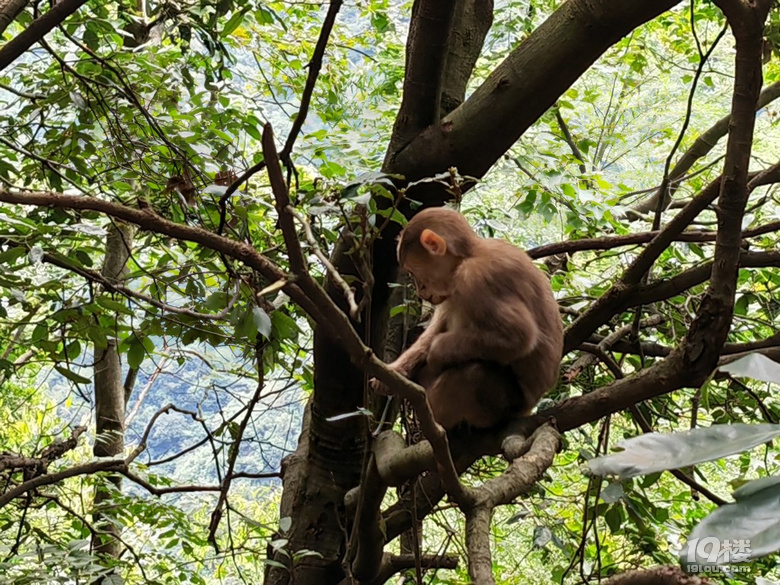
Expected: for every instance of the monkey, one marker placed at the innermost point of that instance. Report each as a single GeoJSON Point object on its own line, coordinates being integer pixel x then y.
{"type": "Point", "coordinates": [493, 346]}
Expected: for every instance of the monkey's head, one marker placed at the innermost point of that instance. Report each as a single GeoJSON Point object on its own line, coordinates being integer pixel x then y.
{"type": "Point", "coordinates": [430, 249]}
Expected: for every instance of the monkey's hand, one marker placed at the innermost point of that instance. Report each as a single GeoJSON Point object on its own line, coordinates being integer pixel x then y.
{"type": "Point", "coordinates": [380, 387]}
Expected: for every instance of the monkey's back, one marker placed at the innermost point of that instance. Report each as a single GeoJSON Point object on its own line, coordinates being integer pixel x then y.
{"type": "Point", "coordinates": [507, 275]}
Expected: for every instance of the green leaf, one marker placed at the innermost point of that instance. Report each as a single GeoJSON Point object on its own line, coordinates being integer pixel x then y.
{"type": "Point", "coordinates": [72, 376]}
{"type": "Point", "coordinates": [98, 337]}
{"type": "Point", "coordinates": [41, 331]}
{"type": "Point", "coordinates": [112, 305]}
{"type": "Point", "coordinates": [614, 518]}
{"type": "Point", "coordinates": [217, 301]}
{"type": "Point", "coordinates": [283, 326]}
{"type": "Point", "coordinates": [654, 452]}
{"type": "Point", "coordinates": [252, 130]}
{"type": "Point", "coordinates": [753, 519]}
{"type": "Point", "coordinates": [73, 349]}
{"type": "Point", "coordinates": [612, 493]}
{"type": "Point", "coordinates": [234, 22]}
{"type": "Point", "coordinates": [262, 322]}
{"type": "Point", "coordinates": [11, 255]}
{"type": "Point", "coordinates": [136, 353]}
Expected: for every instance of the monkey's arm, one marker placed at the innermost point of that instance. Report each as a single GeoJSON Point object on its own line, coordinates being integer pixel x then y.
{"type": "Point", "coordinates": [504, 335]}
{"type": "Point", "coordinates": [416, 355]}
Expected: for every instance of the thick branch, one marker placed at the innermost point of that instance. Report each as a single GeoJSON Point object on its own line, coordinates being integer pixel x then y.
{"type": "Point", "coordinates": [484, 127]}
{"type": "Point", "coordinates": [360, 354]}
{"type": "Point", "coordinates": [523, 473]}
{"type": "Point", "coordinates": [52, 478]}
{"type": "Point", "coordinates": [708, 332]}
{"type": "Point", "coordinates": [521, 476]}
{"type": "Point", "coordinates": [368, 527]}
{"type": "Point", "coordinates": [426, 54]}
{"type": "Point", "coordinates": [471, 23]}
{"type": "Point", "coordinates": [41, 463]}
{"type": "Point", "coordinates": [392, 564]}
{"type": "Point", "coordinates": [611, 242]}
{"type": "Point", "coordinates": [9, 10]}
{"type": "Point", "coordinates": [150, 221]}
{"type": "Point", "coordinates": [478, 544]}
{"type": "Point", "coordinates": [657, 576]}
{"type": "Point", "coordinates": [42, 25]}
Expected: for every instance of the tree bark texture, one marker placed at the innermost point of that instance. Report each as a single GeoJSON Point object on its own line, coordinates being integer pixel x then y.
{"type": "Point", "coordinates": [42, 25]}
{"type": "Point", "coordinates": [476, 134]}
{"type": "Point", "coordinates": [9, 10]}
{"type": "Point", "coordinates": [709, 330]}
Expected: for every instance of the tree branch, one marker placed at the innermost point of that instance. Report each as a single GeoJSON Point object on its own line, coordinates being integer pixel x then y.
{"type": "Point", "coordinates": [392, 564]}
{"type": "Point", "coordinates": [9, 10]}
{"type": "Point", "coordinates": [40, 27]}
{"type": "Point", "coordinates": [476, 134]}
{"type": "Point", "coordinates": [610, 242]}
{"type": "Point", "coordinates": [471, 23]}
{"type": "Point", "coordinates": [575, 150]}
{"type": "Point", "coordinates": [426, 54]}
{"type": "Point", "coordinates": [699, 353]}
{"type": "Point", "coordinates": [700, 148]}
{"type": "Point", "coordinates": [360, 354]}
{"type": "Point", "coordinates": [606, 306]}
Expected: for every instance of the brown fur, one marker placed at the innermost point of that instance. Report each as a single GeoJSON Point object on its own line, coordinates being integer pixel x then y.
{"type": "Point", "coordinates": [494, 345]}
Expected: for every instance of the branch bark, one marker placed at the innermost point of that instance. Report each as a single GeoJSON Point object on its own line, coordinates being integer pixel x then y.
{"type": "Point", "coordinates": [42, 25]}
{"type": "Point", "coordinates": [9, 10]}
{"type": "Point", "coordinates": [426, 54]}
{"type": "Point", "coordinates": [471, 23]}
{"type": "Point", "coordinates": [476, 134]}
{"type": "Point", "coordinates": [315, 64]}
{"type": "Point", "coordinates": [657, 576]}
{"type": "Point", "coordinates": [702, 346]}
{"type": "Point", "coordinates": [606, 306]}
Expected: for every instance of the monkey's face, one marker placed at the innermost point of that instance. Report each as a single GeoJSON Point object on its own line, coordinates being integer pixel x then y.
{"type": "Point", "coordinates": [432, 275]}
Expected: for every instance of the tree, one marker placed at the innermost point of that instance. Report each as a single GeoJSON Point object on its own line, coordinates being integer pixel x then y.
{"type": "Point", "coordinates": [215, 251]}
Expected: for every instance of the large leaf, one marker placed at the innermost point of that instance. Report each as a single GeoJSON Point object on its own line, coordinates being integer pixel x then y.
{"type": "Point", "coordinates": [654, 452]}
{"type": "Point", "coordinates": [756, 366]}
{"type": "Point", "coordinates": [754, 520]}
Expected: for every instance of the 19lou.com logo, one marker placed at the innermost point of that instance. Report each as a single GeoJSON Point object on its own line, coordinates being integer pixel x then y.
{"type": "Point", "coordinates": [711, 555]}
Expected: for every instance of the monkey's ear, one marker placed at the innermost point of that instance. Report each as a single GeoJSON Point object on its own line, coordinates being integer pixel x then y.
{"type": "Point", "coordinates": [433, 242]}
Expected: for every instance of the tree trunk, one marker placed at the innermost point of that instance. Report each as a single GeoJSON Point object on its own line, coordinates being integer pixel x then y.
{"type": "Point", "coordinates": [110, 399]}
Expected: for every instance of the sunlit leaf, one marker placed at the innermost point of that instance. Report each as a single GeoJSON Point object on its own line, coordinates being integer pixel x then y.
{"type": "Point", "coordinates": [654, 452]}
{"type": "Point", "coordinates": [755, 366]}
{"type": "Point", "coordinates": [754, 519]}
{"type": "Point", "coordinates": [72, 376]}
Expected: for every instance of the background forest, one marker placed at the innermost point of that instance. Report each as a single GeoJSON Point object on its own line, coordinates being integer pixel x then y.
{"type": "Point", "coordinates": [198, 207]}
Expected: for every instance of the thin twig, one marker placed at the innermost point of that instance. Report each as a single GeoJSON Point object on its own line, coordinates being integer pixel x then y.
{"type": "Point", "coordinates": [315, 64]}
{"type": "Point", "coordinates": [336, 278]}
